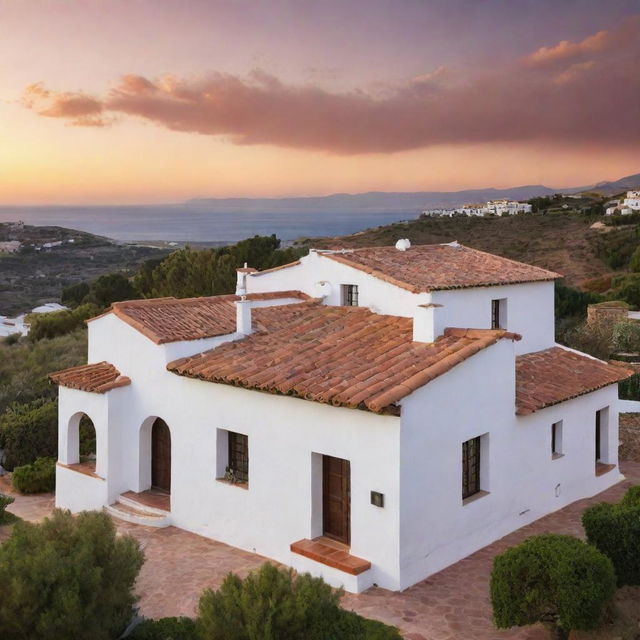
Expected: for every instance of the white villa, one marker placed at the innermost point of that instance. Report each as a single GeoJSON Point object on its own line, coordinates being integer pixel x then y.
{"type": "Point", "coordinates": [629, 205]}
{"type": "Point", "coordinates": [492, 207]}
{"type": "Point", "coordinates": [368, 415]}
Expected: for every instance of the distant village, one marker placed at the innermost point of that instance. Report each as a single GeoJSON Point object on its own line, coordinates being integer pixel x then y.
{"type": "Point", "coordinates": [626, 206]}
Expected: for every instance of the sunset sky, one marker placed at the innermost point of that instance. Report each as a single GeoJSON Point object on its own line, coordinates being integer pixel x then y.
{"type": "Point", "coordinates": [133, 101]}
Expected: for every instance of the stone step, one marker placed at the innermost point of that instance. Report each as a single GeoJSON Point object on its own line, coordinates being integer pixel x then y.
{"type": "Point", "coordinates": [137, 515]}
{"type": "Point", "coordinates": [133, 500]}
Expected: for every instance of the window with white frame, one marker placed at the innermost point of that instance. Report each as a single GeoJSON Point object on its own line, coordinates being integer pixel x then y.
{"type": "Point", "coordinates": [499, 313]}
{"type": "Point", "coordinates": [349, 295]}
{"type": "Point", "coordinates": [232, 464]}
{"type": "Point", "coordinates": [602, 435]}
{"type": "Point", "coordinates": [556, 440]}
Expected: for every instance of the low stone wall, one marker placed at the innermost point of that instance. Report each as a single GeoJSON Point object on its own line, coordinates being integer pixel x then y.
{"type": "Point", "coordinates": [629, 437]}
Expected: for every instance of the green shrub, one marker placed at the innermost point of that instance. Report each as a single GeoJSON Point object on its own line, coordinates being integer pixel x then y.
{"type": "Point", "coordinates": [67, 577]}
{"type": "Point", "coordinates": [271, 603]}
{"type": "Point", "coordinates": [38, 477]}
{"type": "Point", "coordinates": [29, 431]}
{"type": "Point", "coordinates": [629, 389]}
{"type": "Point", "coordinates": [5, 501]}
{"type": "Point", "coordinates": [24, 367]}
{"type": "Point", "coordinates": [12, 338]}
{"type": "Point", "coordinates": [59, 323]}
{"type": "Point", "coordinates": [558, 580]}
{"type": "Point", "coordinates": [165, 629]}
{"type": "Point", "coordinates": [615, 530]}
{"type": "Point", "coordinates": [626, 337]}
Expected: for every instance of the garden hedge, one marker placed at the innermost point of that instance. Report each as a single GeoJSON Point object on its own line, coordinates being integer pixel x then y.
{"type": "Point", "coordinates": [614, 529]}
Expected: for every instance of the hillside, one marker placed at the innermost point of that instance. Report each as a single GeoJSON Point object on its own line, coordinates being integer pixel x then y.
{"type": "Point", "coordinates": [50, 258]}
{"type": "Point", "coordinates": [610, 188]}
{"type": "Point", "coordinates": [564, 243]}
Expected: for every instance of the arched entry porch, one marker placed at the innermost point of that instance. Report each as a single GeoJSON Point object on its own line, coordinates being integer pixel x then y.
{"type": "Point", "coordinates": [154, 479]}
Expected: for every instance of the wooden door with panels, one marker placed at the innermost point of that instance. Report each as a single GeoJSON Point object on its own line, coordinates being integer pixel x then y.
{"type": "Point", "coordinates": [161, 456]}
{"type": "Point", "coordinates": [336, 499]}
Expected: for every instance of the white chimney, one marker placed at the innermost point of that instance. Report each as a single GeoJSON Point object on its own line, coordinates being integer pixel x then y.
{"type": "Point", "coordinates": [243, 316]}
{"type": "Point", "coordinates": [427, 323]}
{"type": "Point", "coordinates": [241, 282]}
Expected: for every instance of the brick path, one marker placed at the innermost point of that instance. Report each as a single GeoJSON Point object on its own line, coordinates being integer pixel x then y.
{"type": "Point", "coordinates": [451, 605]}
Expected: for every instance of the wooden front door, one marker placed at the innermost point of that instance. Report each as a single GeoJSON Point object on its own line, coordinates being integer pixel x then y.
{"type": "Point", "coordinates": [161, 455]}
{"type": "Point", "coordinates": [336, 498]}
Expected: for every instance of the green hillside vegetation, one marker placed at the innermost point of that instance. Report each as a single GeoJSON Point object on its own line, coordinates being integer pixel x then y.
{"type": "Point", "coordinates": [36, 274]}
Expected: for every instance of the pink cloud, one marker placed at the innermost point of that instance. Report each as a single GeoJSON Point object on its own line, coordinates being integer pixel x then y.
{"type": "Point", "coordinates": [594, 44]}
{"type": "Point", "coordinates": [571, 101]}
{"type": "Point", "coordinates": [80, 108]}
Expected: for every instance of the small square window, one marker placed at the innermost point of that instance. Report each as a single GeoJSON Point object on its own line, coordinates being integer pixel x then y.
{"type": "Point", "coordinates": [232, 457]}
{"type": "Point", "coordinates": [350, 295]}
{"type": "Point", "coordinates": [556, 439]}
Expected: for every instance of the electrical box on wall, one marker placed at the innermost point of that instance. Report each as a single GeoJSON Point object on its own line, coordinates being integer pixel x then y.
{"type": "Point", "coordinates": [377, 499]}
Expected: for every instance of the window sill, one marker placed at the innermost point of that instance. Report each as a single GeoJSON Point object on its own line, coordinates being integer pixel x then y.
{"type": "Point", "coordinates": [240, 485]}
{"type": "Point", "coordinates": [602, 468]}
{"type": "Point", "coordinates": [474, 497]}
{"type": "Point", "coordinates": [557, 456]}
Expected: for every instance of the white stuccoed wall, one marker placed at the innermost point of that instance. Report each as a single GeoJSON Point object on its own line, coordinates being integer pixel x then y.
{"type": "Point", "coordinates": [278, 508]}
{"type": "Point", "coordinates": [473, 399]}
{"type": "Point", "coordinates": [378, 295]}
{"type": "Point", "coordinates": [530, 306]}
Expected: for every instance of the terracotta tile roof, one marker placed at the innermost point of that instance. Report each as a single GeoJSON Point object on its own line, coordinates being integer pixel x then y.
{"type": "Point", "coordinates": [545, 378]}
{"type": "Point", "coordinates": [435, 267]}
{"type": "Point", "coordinates": [344, 356]}
{"type": "Point", "coordinates": [172, 319]}
{"type": "Point", "coordinates": [98, 378]}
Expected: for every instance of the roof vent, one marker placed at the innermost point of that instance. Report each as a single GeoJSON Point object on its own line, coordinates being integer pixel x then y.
{"type": "Point", "coordinates": [403, 244]}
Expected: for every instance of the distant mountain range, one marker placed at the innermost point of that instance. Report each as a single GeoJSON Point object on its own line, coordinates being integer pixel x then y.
{"type": "Point", "coordinates": [608, 188]}
{"type": "Point", "coordinates": [397, 202]}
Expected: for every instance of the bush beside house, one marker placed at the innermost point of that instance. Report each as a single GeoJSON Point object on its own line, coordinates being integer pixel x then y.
{"type": "Point", "coordinates": [68, 577]}
{"type": "Point", "coordinates": [273, 603]}
{"type": "Point", "coordinates": [614, 529]}
{"type": "Point", "coordinates": [554, 579]}
{"type": "Point", "coordinates": [28, 432]}
{"type": "Point", "coordinates": [38, 477]}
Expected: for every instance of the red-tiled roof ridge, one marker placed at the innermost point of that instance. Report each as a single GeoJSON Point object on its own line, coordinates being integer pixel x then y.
{"type": "Point", "coordinates": [170, 319]}
{"type": "Point", "coordinates": [460, 267]}
{"type": "Point", "coordinates": [548, 377]}
{"type": "Point", "coordinates": [344, 356]}
{"type": "Point", "coordinates": [98, 377]}
{"type": "Point", "coordinates": [459, 332]}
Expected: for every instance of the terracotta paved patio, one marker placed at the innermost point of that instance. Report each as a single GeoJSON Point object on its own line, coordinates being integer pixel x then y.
{"type": "Point", "coordinates": [451, 605]}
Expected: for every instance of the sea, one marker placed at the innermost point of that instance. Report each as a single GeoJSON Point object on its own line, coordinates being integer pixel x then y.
{"type": "Point", "coordinates": [184, 223]}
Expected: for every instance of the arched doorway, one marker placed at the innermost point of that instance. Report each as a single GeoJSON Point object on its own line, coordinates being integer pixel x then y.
{"type": "Point", "coordinates": [161, 456]}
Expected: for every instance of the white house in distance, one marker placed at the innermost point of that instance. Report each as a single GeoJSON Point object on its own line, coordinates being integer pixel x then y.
{"type": "Point", "coordinates": [492, 207]}
{"type": "Point", "coordinates": [629, 205]}
{"type": "Point", "coordinates": [368, 415]}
